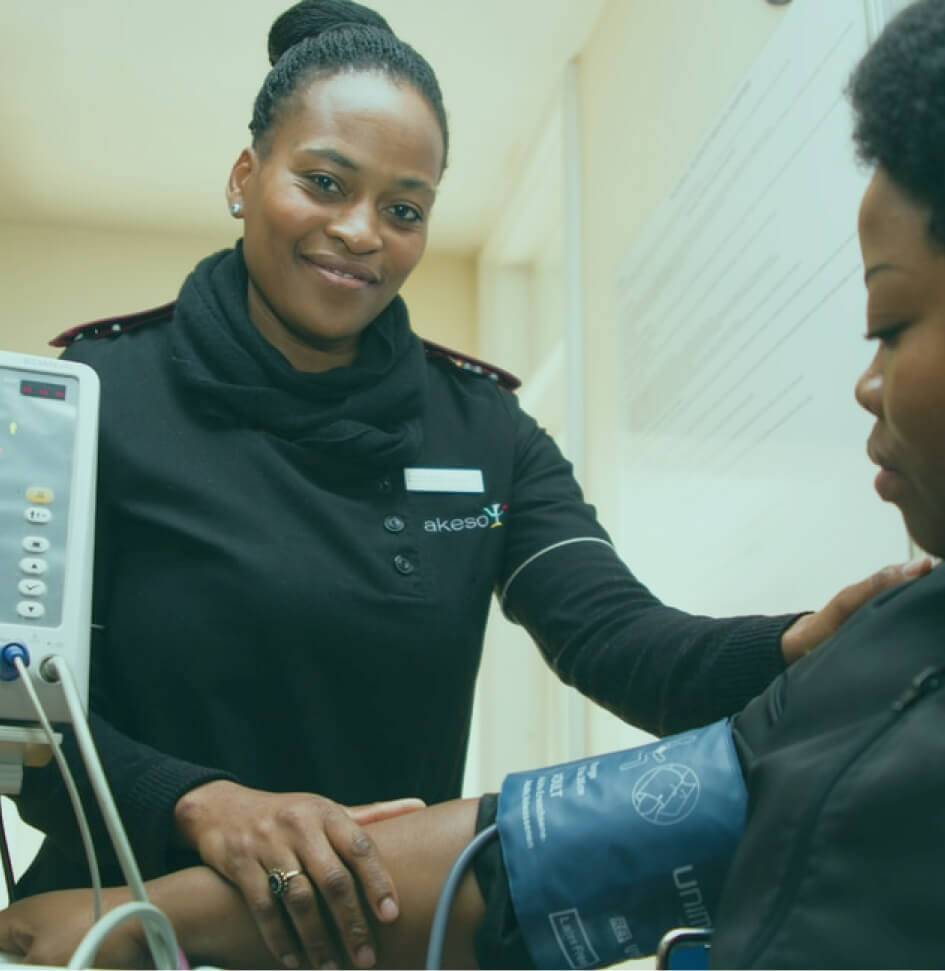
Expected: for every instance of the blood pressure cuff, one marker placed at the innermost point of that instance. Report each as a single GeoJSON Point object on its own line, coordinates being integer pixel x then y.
{"type": "Point", "coordinates": [603, 855]}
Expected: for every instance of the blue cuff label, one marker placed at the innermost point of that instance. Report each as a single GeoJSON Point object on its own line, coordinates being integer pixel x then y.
{"type": "Point", "coordinates": [606, 854]}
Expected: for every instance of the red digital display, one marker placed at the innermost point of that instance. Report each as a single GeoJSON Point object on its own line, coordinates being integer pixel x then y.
{"type": "Point", "coordinates": [40, 389]}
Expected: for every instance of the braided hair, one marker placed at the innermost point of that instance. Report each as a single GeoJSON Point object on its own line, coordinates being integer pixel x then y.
{"type": "Point", "coordinates": [898, 96]}
{"type": "Point", "coordinates": [321, 38]}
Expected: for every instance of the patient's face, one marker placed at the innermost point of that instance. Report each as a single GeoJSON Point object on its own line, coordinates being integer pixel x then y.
{"type": "Point", "coordinates": [904, 386]}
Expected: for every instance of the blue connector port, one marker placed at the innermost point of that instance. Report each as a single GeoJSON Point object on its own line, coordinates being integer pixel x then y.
{"type": "Point", "coordinates": [8, 653]}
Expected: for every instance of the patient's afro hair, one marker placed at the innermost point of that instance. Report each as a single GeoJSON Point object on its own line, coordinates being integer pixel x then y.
{"type": "Point", "coordinates": [898, 97]}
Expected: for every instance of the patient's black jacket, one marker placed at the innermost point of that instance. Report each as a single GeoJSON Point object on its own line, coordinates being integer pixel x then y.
{"type": "Point", "coordinates": [844, 758]}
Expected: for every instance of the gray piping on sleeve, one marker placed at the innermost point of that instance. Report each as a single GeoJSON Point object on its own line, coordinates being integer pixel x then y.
{"type": "Point", "coordinates": [547, 549]}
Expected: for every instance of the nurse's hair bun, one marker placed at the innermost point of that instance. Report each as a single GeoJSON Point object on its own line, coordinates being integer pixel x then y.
{"type": "Point", "coordinates": [310, 18]}
{"type": "Point", "coordinates": [317, 39]}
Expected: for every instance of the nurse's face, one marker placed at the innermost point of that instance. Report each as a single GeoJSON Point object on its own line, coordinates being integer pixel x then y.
{"type": "Point", "coordinates": [904, 386]}
{"type": "Point", "coordinates": [336, 203]}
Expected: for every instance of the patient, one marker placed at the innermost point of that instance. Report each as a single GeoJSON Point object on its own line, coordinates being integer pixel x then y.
{"type": "Point", "coordinates": [843, 756]}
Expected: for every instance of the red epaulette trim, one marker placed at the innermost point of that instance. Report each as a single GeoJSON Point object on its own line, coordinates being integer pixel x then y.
{"type": "Point", "coordinates": [113, 326]}
{"type": "Point", "coordinates": [466, 363]}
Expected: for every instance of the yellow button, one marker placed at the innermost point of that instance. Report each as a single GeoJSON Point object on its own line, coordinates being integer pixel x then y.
{"type": "Point", "coordinates": [39, 494]}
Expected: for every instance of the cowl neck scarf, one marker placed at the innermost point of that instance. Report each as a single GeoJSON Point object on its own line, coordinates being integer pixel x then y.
{"type": "Point", "coordinates": [348, 422]}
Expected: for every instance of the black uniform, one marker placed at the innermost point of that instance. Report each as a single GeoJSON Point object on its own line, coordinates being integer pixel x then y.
{"type": "Point", "coordinates": [278, 602]}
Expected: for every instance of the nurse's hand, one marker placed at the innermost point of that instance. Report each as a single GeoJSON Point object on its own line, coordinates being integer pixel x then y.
{"type": "Point", "coordinates": [244, 833]}
{"type": "Point", "coordinates": [809, 631]}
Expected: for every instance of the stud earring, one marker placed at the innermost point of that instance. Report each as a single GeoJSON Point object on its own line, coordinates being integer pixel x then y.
{"type": "Point", "coordinates": [236, 209]}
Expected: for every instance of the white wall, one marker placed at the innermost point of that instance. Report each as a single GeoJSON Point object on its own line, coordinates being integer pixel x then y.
{"type": "Point", "coordinates": [650, 81]}
{"type": "Point", "coordinates": [653, 77]}
{"type": "Point", "coordinates": [53, 277]}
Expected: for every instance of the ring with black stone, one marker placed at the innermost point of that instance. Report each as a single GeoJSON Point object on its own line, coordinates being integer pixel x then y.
{"type": "Point", "coordinates": [279, 880]}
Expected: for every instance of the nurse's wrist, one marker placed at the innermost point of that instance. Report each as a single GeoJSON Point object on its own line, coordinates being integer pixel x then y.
{"type": "Point", "coordinates": [193, 809]}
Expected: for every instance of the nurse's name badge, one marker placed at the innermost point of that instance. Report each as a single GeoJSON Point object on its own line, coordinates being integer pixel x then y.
{"type": "Point", "coordinates": [443, 480]}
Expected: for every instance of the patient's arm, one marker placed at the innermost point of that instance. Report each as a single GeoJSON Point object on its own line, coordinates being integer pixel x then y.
{"type": "Point", "coordinates": [214, 926]}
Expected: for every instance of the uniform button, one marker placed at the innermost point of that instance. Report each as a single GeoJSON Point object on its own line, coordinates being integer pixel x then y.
{"type": "Point", "coordinates": [394, 524]}
{"type": "Point", "coordinates": [384, 485]}
{"type": "Point", "coordinates": [403, 565]}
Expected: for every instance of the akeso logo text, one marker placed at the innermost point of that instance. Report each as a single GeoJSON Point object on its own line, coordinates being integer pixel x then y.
{"type": "Point", "coordinates": [489, 518]}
